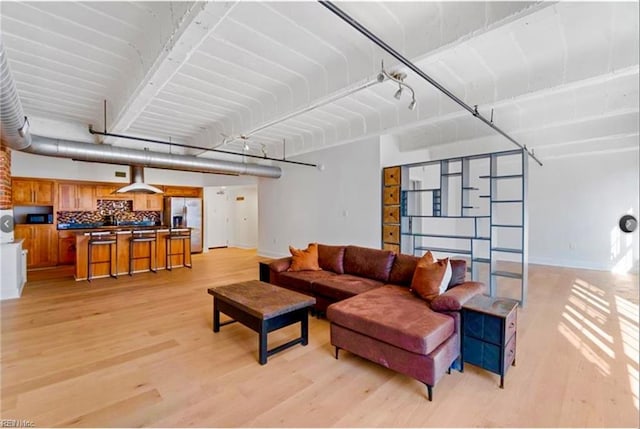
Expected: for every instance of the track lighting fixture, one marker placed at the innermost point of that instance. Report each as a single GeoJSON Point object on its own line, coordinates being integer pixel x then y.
{"type": "Point", "coordinates": [398, 77]}
{"type": "Point", "coordinates": [398, 93]}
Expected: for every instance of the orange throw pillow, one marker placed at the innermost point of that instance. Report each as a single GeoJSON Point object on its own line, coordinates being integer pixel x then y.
{"type": "Point", "coordinates": [429, 276]}
{"type": "Point", "coordinates": [304, 259]}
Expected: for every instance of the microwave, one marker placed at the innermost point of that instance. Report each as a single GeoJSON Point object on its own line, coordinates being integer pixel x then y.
{"type": "Point", "coordinates": [39, 217]}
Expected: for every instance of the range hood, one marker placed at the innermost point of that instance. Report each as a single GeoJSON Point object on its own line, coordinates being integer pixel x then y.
{"type": "Point", "coordinates": [137, 183]}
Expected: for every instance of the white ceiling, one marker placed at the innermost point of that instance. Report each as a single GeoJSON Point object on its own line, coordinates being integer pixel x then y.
{"type": "Point", "coordinates": [554, 73]}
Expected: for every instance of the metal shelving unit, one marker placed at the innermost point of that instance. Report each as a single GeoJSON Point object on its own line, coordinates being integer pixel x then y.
{"type": "Point", "coordinates": [468, 195]}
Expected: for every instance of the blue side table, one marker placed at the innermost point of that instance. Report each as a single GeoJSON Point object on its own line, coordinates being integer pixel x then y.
{"type": "Point", "coordinates": [489, 328]}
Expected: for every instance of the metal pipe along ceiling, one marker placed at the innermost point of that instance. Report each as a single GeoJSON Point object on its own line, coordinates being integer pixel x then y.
{"type": "Point", "coordinates": [12, 120]}
{"type": "Point", "coordinates": [11, 113]}
{"type": "Point", "coordinates": [117, 155]}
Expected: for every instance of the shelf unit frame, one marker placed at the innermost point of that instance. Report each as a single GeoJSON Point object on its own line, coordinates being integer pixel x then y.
{"type": "Point", "coordinates": [460, 167]}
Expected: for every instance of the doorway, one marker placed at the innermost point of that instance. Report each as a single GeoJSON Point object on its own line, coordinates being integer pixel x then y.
{"type": "Point", "coordinates": [217, 203]}
{"type": "Point", "coordinates": [231, 216]}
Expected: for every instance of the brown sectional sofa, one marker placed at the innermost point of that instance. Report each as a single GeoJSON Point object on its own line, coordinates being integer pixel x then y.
{"type": "Point", "coordinates": [365, 293]}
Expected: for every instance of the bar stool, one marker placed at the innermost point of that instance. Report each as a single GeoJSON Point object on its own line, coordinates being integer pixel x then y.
{"type": "Point", "coordinates": [102, 238]}
{"type": "Point", "coordinates": [181, 234]}
{"type": "Point", "coordinates": [144, 236]}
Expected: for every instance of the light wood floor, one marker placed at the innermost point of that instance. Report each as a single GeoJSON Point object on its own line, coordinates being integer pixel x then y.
{"type": "Point", "coordinates": [140, 352]}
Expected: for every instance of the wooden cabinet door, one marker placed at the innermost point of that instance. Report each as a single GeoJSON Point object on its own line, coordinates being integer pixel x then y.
{"type": "Point", "coordinates": [181, 191]}
{"type": "Point", "coordinates": [146, 202]}
{"type": "Point", "coordinates": [25, 232]}
{"type": "Point", "coordinates": [106, 192]}
{"type": "Point", "coordinates": [139, 202]}
{"type": "Point", "coordinates": [67, 251]}
{"type": "Point", "coordinates": [85, 197]}
{"type": "Point", "coordinates": [45, 246]}
{"type": "Point", "coordinates": [66, 197]}
{"type": "Point", "coordinates": [154, 202]}
{"type": "Point", "coordinates": [22, 192]}
{"type": "Point", "coordinates": [44, 192]}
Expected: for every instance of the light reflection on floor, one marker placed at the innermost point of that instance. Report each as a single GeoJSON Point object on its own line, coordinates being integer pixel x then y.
{"type": "Point", "coordinates": [599, 322]}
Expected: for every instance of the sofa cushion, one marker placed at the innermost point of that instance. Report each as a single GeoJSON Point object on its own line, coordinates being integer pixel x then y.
{"type": "Point", "coordinates": [301, 280]}
{"type": "Point", "coordinates": [304, 259]}
{"type": "Point", "coordinates": [370, 263]}
{"type": "Point", "coordinates": [394, 315]}
{"type": "Point", "coordinates": [280, 265]}
{"type": "Point", "coordinates": [402, 269]}
{"type": "Point", "coordinates": [343, 286]}
{"type": "Point", "coordinates": [331, 258]}
{"type": "Point", "coordinates": [456, 297]}
{"type": "Point", "coordinates": [458, 272]}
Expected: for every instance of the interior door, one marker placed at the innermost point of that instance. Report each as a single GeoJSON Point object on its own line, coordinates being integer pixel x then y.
{"type": "Point", "coordinates": [218, 220]}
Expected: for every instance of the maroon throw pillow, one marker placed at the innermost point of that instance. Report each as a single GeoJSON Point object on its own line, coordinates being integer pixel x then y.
{"type": "Point", "coordinates": [330, 258]}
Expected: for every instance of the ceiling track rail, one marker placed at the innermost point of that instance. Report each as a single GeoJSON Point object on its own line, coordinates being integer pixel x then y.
{"type": "Point", "coordinates": [375, 39]}
{"type": "Point", "coordinates": [187, 146]}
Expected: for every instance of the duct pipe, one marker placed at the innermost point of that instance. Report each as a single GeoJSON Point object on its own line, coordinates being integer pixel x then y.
{"type": "Point", "coordinates": [15, 132]}
{"type": "Point", "coordinates": [108, 154]}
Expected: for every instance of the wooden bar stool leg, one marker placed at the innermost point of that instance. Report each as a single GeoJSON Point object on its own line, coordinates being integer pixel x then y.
{"type": "Point", "coordinates": [116, 258]}
{"type": "Point", "coordinates": [153, 268]}
{"type": "Point", "coordinates": [168, 251]}
{"type": "Point", "coordinates": [131, 256]}
{"type": "Point", "coordinates": [89, 247]}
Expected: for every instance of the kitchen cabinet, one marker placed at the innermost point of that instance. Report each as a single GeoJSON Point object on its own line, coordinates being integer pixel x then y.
{"type": "Point", "coordinates": [147, 202]}
{"type": "Point", "coordinates": [32, 192]}
{"type": "Point", "coordinates": [107, 192]}
{"type": "Point", "coordinates": [182, 191]}
{"type": "Point", "coordinates": [72, 197]}
{"type": "Point", "coordinates": [42, 243]}
{"type": "Point", "coordinates": [66, 248]}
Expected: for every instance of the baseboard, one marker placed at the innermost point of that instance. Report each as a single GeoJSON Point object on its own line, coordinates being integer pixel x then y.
{"type": "Point", "coordinates": [568, 263]}
{"type": "Point", "coordinates": [242, 245]}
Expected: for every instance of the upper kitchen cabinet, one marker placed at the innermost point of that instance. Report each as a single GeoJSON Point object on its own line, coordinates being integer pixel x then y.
{"type": "Point", "coordinates": [107, 192]}
{"type": "Point", "coordinates": [32, 192]}
{"type": "Point", "coordinates": [147, 202]}
{"type": "Point", "coordinates": [73, 197]}
{"type": "Point", "coordinates": [182, 191]}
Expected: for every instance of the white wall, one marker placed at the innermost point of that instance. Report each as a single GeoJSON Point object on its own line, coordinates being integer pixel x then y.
{"type": "Point", "coordinates": [340, 205]}
{"type": "Point", "coordinates": [29, 165]}
{"type": "Point", "coordinates": [574, 207]}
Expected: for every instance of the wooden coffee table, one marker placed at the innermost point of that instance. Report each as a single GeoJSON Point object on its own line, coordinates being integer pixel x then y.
{"type": "Point", "coordinates": [263, 308]}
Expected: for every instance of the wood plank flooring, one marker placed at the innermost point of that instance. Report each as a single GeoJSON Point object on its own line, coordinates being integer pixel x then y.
{"type": "Point", "coordinates": [139, 351]}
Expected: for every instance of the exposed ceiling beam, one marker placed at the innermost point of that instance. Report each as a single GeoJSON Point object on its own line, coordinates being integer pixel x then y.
{"type": "Point", "coordinates": [199, 22]}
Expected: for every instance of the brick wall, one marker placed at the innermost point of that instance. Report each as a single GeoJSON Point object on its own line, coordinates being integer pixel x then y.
{"type": "Point", "coordinates": [5, 177]}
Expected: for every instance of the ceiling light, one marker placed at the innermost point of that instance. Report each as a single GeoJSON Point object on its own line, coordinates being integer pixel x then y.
{"type": "Point", "coordinates": [398, 77]}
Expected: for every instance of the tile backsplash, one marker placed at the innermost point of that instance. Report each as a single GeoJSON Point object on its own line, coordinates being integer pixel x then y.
{"type": "Point", "coordinates": [123, 210]}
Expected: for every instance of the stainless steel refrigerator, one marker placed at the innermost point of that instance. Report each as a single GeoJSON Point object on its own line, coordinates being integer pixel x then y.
{"type": "Point", "coordinates": [185, 212]}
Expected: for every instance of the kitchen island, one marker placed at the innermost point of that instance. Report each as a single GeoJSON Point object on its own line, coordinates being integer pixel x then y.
{"type": "Point", "coordinates": [179, 251]}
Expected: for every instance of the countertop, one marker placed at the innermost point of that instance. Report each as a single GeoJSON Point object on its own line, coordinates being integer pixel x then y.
{"type": "Point", "coordinates": [124, 229]}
